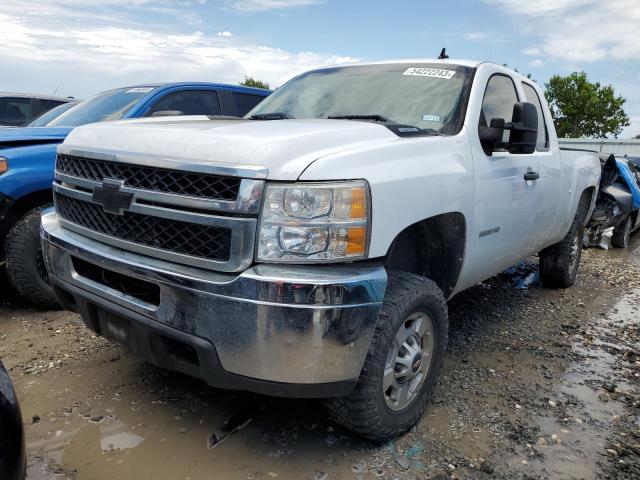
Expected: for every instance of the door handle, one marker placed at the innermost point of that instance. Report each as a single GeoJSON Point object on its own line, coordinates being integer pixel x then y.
{"type": "Point", "coordinates": [531, 175]}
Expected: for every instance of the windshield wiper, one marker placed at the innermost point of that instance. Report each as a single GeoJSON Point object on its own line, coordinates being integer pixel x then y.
{"type": "Point", "coordinates": [271, 116]}
{"type": "Point", "coordinates": [399, 129]}
{"type": "Point", "coordinates": [376, 118]}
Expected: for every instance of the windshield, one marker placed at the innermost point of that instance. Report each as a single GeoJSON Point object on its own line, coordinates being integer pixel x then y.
{"type": "Point", "coordinates": [111, 105]}
{"type": "Point", "coordinates": [423, 95]}
{"type": "Point", "coordinates": [55, 112]}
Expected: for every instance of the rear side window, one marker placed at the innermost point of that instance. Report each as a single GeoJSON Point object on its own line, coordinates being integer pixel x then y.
{"type": "Point", "coordinates": [40, 106]}
{"type": "Point", "coordinates": [543, 135]}
{"type": "Point", "coordinates": [49, 104]}
{"type": "Point", "coordinates": [189, 102]}
{"type": "Point", "coordinates": [245, 102]}
{"type": "Point", "coordinates": [499, 99]}
{"type": "Point", "coordinates": [15, 111]}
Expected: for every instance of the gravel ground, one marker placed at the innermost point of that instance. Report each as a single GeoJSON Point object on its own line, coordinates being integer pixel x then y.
{"type": "Point", "coordinates": [537, 384]}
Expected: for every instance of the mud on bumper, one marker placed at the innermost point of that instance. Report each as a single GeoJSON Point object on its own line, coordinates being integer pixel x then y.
{"type": "Point", "coordinates": [287, 331]}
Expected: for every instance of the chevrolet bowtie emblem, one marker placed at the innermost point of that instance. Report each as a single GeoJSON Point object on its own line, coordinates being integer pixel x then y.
{"type": "Point", "coordinates": [111, 198]}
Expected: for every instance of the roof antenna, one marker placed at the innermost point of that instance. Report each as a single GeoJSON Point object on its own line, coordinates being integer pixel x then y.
{"type": "Point", "coordinates": [443, 54]}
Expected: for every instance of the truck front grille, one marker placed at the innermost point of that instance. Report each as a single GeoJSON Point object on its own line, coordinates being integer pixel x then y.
{"type": "Point", "coordinates": [151, 178]}
{"type": "Point", "coordinates": [198, 214]}
{"type": "Point", "coordinates": [175, 236]}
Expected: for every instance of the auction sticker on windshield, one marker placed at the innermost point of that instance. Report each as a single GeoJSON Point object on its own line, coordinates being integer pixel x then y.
{"type": "Point", "coordinates": [139, 90]}
{"type": "Point", "coordinates": [430, 72]}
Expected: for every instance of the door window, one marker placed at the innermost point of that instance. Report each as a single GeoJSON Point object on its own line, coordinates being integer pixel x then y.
{"type": "Point", "coordinates": [40, 106]}
{"type": "Point", "coordinates": [543, 135]}
{"type": "Point", "coordinates": [499, 99]}
{"type": "Point", "coordinates": [189, 102]}
{"type": "Point", "coordinates": [15, 111]}
{"type": "Point", "coordinates": [245, 102]}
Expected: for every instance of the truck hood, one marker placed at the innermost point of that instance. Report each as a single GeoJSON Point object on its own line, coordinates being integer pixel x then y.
{"type": "Point", "coordinates": [284, 147]}
{"type": "Point", "coordinates": [23, 137]}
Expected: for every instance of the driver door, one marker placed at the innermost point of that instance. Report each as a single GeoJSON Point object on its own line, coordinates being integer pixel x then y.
{"type": "Point", "coordinates": [505, 202]}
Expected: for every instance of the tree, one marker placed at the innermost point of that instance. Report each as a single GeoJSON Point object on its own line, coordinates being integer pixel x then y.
{"type": "Point", "coordinates": [252, 82]}
{"type": "Point", "coordinates": [581, 108]}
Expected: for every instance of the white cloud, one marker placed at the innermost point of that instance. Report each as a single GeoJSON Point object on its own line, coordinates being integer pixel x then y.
{"type": "Point", "coordinates": [263, 5]}
{"type": "Point", "coordinates": [84, 59]}
{"type": "Point", "coordinates": [541, 7]}
{"type": "Point", "coordinates": [476, 36]}
{"type": "Point", "coordinates": [532, 51]}
{"type": "Point", "coordinates": [107, 12]}
{"type": "Point", "coordinates": [580, 30]}
{"type": "Point", "coordinates": [536, 63]}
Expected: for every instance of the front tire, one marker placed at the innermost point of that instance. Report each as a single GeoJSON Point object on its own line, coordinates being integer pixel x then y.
{"type": "Point", "coordinates": [622, 234]}
{"type": "Point", "coordinates": [403, 364]}
{"type": "Point", "coordinates": [25, 265]}
{"type": "Point", "coordinates": [559, 263]}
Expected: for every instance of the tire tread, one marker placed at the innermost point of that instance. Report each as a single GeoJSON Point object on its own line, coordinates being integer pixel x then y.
{"type": "Point", "coordinates": [20, 271]}
{"type": "Point", "coordinates": [358, 412]}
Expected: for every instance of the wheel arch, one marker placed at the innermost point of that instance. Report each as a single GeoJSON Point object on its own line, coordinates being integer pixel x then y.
{"type": "Point", "coordinates": [433, 248]}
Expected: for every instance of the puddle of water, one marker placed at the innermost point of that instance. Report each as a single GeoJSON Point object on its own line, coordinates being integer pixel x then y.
{"type": "Point", "coordinates": [118, 437]}
{"type": "Point", "coordinates": [574, 438]}
{"type": "Point", "coordinates": [158, 425]}
{"type": "Point", "coordinates": [631, 253]}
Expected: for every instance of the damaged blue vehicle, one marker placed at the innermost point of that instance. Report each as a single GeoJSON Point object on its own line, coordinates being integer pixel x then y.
{"type": "Point", "coordinates": [618, 202]}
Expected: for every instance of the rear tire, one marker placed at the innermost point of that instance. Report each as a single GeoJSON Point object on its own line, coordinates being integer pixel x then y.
{"type": "Point", "coordinates": [25, 264]}
{"type": "Point", "coordinates": [414, 309]}
{"type": "Point", "coordinates": [559, 263]}
{"type": "Point", "coordinates": [622, 234]}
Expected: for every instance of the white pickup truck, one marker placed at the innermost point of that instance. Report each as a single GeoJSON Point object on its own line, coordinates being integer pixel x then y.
{"type": "Point", "coordinates": [309, 249]}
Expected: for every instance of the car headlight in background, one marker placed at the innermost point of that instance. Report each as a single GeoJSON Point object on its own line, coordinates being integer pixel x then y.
{"type": "Point", "coordinates": [314, 222]}
{"type": "Point", "coordinates": [4, 165]}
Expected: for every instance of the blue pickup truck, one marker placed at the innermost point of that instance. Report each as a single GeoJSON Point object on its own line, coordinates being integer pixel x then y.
{"type": "Point", "coordinates": [27, 158]}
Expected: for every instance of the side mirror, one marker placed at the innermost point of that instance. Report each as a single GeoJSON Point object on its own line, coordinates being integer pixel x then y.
{"type": "Point", "coordinates": [167, 113]}
{"type": "Point", "coordinates": [492, 135]}
{"type": "Point", "coordinates": [524, 128]}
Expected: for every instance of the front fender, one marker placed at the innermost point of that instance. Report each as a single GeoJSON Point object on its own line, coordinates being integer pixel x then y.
{"type": "Point", "coordinates": [410, 179]}
{"type": "Point", "coordinates": [30, 170]}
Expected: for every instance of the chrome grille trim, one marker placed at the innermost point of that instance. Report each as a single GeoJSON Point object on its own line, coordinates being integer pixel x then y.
{"type": "Point", "coordinates": [248, 200]}
{"type": "Point", "coordinates": [155, 179]}
{"type": "Point", "coordinates": [172, 163]}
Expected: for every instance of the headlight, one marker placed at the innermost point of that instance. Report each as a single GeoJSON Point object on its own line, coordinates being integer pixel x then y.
{"type": "Point", "coordinates": [314, 222]}
{"type": "Point", "coordinates": [4, 165]}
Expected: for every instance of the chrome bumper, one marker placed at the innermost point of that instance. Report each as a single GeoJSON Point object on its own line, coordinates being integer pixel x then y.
{"type": "Point", "coordinates": [285, 324]}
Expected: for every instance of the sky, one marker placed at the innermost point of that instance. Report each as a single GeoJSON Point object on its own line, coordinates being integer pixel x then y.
{"type": "Point", "coordinates": [82, 47]}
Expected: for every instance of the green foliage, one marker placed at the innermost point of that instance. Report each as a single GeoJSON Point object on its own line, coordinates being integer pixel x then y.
{"type": "Point", "coordinates": [581, 108]}
{"type": "Point", "coordinates": [252, 82]}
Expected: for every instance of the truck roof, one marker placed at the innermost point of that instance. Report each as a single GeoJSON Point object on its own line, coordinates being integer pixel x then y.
{"type": "Point", "coordinates": [448, 61]}
{"type": "Point", "coordinates": [445, 61]}
{"type": "Point", "coordinates": [191, 84]}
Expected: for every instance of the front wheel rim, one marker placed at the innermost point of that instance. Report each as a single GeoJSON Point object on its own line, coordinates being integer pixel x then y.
{"type": "Point", "coordinates": [408, 361]}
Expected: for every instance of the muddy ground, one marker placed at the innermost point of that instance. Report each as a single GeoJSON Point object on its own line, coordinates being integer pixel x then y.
{"type": "Point", "coordinates": [537, 383]}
